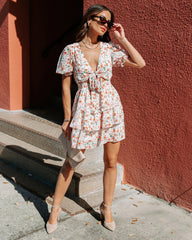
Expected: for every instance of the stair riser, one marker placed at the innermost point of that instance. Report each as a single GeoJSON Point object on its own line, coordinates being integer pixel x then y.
{"type": "Point", "coordinates": [94, 183]}
{"type": "Point", "coordinates": [91, 184]}
{"type": "Point", "coordinates": [29, 165]}
{"type": "Point", "coordinates": [80, 186]}
{"type": "Point", "coordinates": [26, 181]}
{"type": "Point", "coordinates": [44, 173]}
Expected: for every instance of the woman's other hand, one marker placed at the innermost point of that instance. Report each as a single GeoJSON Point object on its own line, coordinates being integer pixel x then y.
{"type": "Point", "coordinates": [66, 130]}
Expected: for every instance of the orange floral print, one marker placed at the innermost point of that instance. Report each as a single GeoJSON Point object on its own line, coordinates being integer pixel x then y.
{"type": "Point", "coordinates": [97, 112]}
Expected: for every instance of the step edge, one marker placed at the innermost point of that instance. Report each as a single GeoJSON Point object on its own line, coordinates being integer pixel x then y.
{"type": "Point", "coordinates": [29, 129]}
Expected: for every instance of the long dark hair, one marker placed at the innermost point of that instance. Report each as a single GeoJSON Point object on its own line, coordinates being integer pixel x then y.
{"type": "Point", "coordinates": [83, 28]}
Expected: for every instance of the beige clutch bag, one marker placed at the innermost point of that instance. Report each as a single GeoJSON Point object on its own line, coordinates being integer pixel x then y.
{"type": "Point", "coordinates": [75, 156]}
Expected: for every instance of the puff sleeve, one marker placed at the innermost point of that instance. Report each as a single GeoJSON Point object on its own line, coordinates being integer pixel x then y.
{"type": "Point", "coordinates": [118, 55]}
{"type": "Point", "coordinates": [65, 63]}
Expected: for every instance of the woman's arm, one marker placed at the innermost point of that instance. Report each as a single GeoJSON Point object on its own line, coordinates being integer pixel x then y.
{"type": "Point", "coordinates": [66, 98]}
{"type": "Point", "coordinates": [135, 59]}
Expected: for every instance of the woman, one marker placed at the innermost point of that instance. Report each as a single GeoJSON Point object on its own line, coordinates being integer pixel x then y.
{"type": "Point", "coordinates": [97, 115]}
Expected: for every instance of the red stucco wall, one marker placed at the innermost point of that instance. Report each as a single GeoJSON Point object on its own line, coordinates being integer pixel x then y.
{"type": "Point", "coordinates": [4, 55]}
{"type": "Point", "coordinates": [157, 99]}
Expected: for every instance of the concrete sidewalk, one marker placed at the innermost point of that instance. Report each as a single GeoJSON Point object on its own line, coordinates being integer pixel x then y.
{"type": "Point", "coordinates": [138, 216]}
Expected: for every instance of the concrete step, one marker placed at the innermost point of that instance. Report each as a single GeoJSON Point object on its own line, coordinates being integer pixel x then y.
{"type": "Point", "coordinates": [44, 166]}
{"type": "Point", "coordinates": [70, 204]}
{"type": "Point", "coordinates": [32, 129]}
{"type": "Point", "coordinates": [32, 144]}
{"type": "Point", "coordinates": [39, 132]}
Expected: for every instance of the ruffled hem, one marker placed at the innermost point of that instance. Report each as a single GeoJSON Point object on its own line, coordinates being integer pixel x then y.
{"type": "Point", "coordinates": [87, 140]}
{"type": "Point", "coordinates": [97, 120]}
{"type": "Point", "coordinates": [92, 111]}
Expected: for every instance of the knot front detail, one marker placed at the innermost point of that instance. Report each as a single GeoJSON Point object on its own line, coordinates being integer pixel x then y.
{"type": "Point", "coordinates": [94, 80]}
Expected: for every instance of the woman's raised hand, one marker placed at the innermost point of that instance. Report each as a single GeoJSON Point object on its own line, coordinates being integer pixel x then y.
{"type": "Point", "coordinates": [118, 31]}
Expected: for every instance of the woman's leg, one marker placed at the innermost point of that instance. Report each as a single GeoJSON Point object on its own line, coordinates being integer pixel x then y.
{"type": "Point", "coordinates": [63, 181]}
{"type": "Point", "coordinates": [111, 151]}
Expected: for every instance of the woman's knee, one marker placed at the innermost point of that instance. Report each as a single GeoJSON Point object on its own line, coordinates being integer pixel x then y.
{"type": "Point", "coordinates": [110, 162]}
{"type": "Point", "coordinates": [111, 151]}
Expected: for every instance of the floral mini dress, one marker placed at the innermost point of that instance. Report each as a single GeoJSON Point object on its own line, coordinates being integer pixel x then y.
{"type": "Point", "coordinates": [97, 111]}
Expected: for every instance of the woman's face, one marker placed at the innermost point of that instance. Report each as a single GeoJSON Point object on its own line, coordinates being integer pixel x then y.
{"type": "Point", "coordinates": [96, 25]}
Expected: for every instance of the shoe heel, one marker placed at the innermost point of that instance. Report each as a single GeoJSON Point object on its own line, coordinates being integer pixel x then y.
{"type": "Point", "coordinates": [101, 217]}
{"type": "Point", "coordinates": [109, 225]}
{"type": "Point", "coordinates": [52, 227]}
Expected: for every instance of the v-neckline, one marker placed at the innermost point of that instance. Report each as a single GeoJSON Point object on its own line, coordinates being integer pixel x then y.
{"type": "Point", "coordinates": [87, 60]}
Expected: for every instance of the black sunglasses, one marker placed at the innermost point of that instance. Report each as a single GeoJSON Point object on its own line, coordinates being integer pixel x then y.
{"type": "Point", "coordinates": [103, 21]}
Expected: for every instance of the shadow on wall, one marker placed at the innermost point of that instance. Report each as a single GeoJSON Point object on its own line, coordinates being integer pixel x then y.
{"type": "Point", "coordinates": [3, 12]}
{"type": "Point", "coordinates": [52, 27]}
